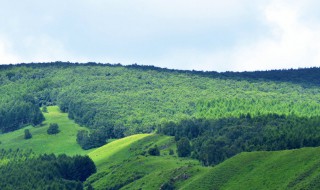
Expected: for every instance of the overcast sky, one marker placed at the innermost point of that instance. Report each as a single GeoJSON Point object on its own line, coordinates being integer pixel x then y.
{"type": "Point", "coordinates": [217, 35]}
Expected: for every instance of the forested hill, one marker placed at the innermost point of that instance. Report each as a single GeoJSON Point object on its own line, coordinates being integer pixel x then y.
{"type": "Point", "coordinates": [120, 100]}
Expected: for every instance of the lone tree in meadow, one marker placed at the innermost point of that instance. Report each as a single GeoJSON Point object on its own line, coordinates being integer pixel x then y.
{"type": "Point", "coordinates": [27, 134]}
{"type": "Point", "coordinates": [53, 129]}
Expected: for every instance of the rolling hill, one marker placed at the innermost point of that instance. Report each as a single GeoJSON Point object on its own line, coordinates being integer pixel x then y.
{"type": "Point", "coordinates": [228, 120]}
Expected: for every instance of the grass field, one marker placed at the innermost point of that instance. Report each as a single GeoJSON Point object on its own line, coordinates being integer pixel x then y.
{"type": "Point", "coordinates": [41, 142]}
{"type": "Point", "coordinates": [288, 169]}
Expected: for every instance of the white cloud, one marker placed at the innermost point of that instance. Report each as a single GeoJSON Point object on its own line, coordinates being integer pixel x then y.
{"type": "Point", "coordinates": [6, 55]}
{"type": "Point", "coordinates": [293, 43]}
{"type": "Point", "coordinates": [183, 34]}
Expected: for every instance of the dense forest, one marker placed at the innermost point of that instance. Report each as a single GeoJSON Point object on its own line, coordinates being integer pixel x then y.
{"type": "Point", "coordinates": [26, 170]}
{"type": "Point", "coordinates": [116, 101]}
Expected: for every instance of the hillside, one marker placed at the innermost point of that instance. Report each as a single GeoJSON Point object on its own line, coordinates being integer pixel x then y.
{"type": "Point", "coordinates": [148, 128]}
{"type": "Point", "coordinates": [289, 169]}
{"type": "Point", "coordinates": [126, 168]}
{"type": "Point", "coordinates": [126, 164]}
{"type": "Point", "coordinates": [136, 99]}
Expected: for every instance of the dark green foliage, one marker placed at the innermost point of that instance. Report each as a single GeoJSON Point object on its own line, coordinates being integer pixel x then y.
{"type": "Point", "coordinates": [134, 99]}
{"type": "Point", "coordinates": [19, 112]}
{"type": "Point", "coordinates": [95, 139]}
{"type": "Point", "coordinates": [26, 170]}
{"type": "Point", "coordinates": [89, 187]}
{"type": "Point", "coordinates": [53, 129]}
{"type": "Point", "coordinates": [45, 109]}
{"type": "Point", "coordinates": [167, 186]}
{"type": "Point", "coordinates": [154, 151]}
{"type": "Point", "coordinates": [27, 134]}
{"type": "Point", "coordinates": [171, 152]}
{"type": "Point", "coordinates": [183, 147]}
{"type": "Point", "coordinates": [216, 140]}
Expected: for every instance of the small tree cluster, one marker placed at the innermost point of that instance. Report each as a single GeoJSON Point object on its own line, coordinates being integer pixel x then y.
{"type": "Point", "coordinates": [92, 140]}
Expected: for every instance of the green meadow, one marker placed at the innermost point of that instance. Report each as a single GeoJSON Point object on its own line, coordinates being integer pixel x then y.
{"type": "Point", "coordinates": [41, 142]}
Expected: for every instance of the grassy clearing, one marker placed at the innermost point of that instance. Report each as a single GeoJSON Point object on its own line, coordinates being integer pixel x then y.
{"type": "Point", "coordinates": [41, 142]}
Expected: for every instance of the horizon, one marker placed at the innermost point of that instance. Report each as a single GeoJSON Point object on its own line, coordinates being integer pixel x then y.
{"type": "Point", "coordinates": [151, 66]}
{"type": "Point", "coordinates": [184, 35]}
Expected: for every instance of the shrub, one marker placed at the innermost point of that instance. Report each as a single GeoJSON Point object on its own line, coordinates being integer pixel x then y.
{"type": "Point", "coordinates": [27, 134]}
{"type": "Point", "coordinates": [154, 151]}
{"type": "Point", "coordinates": [45, 109]}
{"type": "Point", "coordinates": [53, 129]}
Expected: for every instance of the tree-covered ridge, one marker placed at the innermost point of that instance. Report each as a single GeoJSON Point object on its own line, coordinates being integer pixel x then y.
{"type": "Point", "coordinates": [25, 170]}
{"type": "Point", "coordinates": [213, 141]}
{"type": "Point", "coordinates": [125, 100]}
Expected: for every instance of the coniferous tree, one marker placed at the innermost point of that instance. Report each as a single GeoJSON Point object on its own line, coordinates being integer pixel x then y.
{"type": "Point", "coordinates": [183, 147]}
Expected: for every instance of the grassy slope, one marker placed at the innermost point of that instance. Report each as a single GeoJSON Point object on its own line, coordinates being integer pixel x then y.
{"type": "Point", "coordinates": [121, 163]}
{"type": "Point", "coordinates": [41, 142]}
{"type": "Point", "coordinates": [103, 155]}
{"type": "Point", "coordinates": [124, 165]}
{"type": "Point", "coordinates": [289, 169]}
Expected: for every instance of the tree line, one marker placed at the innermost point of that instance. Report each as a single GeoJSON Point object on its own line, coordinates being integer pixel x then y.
{"type": "Point", "coordinates": [213, 141]}
{"type": "Point", "coordinates": [24, 170]}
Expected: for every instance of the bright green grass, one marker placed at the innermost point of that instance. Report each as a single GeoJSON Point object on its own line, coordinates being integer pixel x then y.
{"type": "Point", "coordinates": [289, 169]}
{"type": "Point", "coordinates": [124, 164]}
{"type": "Point", "coordinates": [41, 142]}
{"type": "Point", "coordinates": [101, 156]}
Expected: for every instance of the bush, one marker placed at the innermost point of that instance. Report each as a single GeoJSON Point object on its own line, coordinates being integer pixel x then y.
{"type": "Point", "coordinates": [45, 109]}
{"type": "Point", "coordinates": [27, 134]}
{"type": "Point", "coordinates": [53, 129]}
{"type": "Point", "coordinates": [167, 186]}
{"type": "Point", "coordinates": [154, 151]}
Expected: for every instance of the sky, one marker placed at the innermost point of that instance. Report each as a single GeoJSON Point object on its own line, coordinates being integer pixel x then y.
{"type": "Point", "coordinates": [209, 35]}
